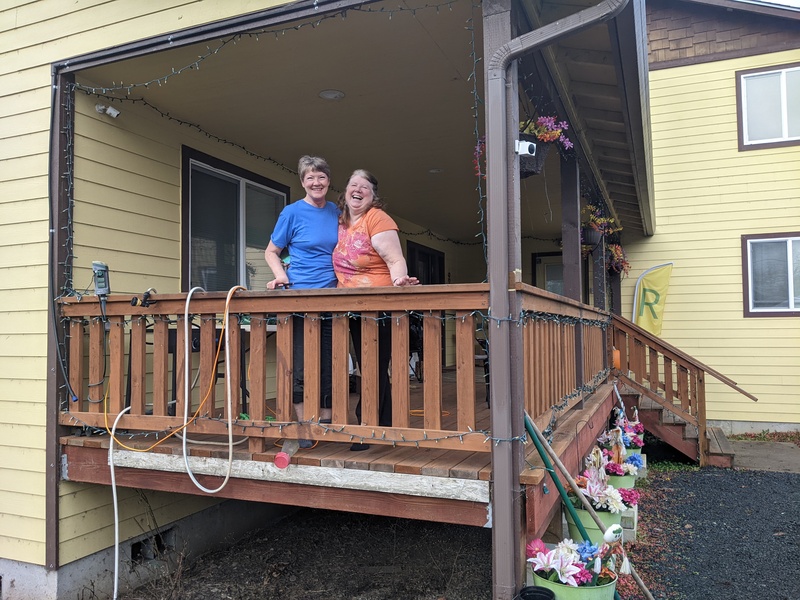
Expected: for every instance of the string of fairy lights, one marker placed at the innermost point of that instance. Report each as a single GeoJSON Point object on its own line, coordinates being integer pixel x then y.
{"type": "Point", "coordinates": [524, 319]}
{"type": "Point", "coordinates": [108, 93]}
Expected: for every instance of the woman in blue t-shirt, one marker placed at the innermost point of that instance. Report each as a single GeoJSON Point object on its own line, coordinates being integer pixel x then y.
{"type": "Point", "coordinates": [308, 230]}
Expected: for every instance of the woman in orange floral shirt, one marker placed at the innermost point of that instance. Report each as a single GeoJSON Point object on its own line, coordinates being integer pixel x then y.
{"type": "Point", "coordinates": [369, 254]}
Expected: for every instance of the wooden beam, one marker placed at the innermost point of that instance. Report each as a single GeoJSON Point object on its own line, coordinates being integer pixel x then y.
{"type": "Point", "coordinates": [91, 466]}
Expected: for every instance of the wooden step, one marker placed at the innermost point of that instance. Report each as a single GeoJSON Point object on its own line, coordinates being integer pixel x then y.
{"type": "Point", "coordinates": [720, 451]}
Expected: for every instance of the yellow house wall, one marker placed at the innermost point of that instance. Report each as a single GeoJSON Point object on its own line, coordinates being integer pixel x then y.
{"type": "Point", "coordinates": [127, 230]}
{"type": "Point", "coordinates": [126, 213]}
{"type": "Point", "coordinates": [708, 194]}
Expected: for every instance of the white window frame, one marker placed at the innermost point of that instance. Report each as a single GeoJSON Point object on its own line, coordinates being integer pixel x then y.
{"type": "Point", "coordinates": [785, 101]}
{"type": "Point", "coordinates": [793, 305]}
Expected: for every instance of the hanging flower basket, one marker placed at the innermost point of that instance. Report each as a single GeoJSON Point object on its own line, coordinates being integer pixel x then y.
{"type": "Point", "coordinates": [591, 236]}
{"type": "Point", "coordinates": [533, 165]}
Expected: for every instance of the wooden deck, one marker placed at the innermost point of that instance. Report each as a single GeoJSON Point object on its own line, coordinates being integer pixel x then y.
{"type": "Point", "coordinates": [426, 483]}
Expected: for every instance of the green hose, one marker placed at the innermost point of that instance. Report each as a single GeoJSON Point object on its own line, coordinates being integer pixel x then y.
{"type": "Point", "coordinates": [529, 427]}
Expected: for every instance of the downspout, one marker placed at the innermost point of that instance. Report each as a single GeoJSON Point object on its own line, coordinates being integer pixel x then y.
{"type": "Point", "coordinates": [501, 287]}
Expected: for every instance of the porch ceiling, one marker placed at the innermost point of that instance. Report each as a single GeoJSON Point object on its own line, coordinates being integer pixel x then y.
{"type": "Point", "coordinates": [409, 113]}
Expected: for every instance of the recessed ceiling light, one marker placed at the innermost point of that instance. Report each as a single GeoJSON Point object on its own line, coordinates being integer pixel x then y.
{"type": "Point", "coordinates": [331, 94]}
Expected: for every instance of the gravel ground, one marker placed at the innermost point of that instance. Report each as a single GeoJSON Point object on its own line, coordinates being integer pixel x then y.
{"type": "Point", "coordinates": [719, 534]}
{"type": "Point", "coordinates": [709, 534]}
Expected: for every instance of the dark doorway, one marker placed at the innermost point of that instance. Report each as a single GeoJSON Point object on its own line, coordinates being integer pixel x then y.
{"type": "Point", "coordinates": [426, 264]}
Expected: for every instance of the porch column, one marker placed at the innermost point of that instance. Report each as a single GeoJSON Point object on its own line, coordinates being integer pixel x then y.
{"type": "Point", "coordinates": [615, 283]}
{"type": "Point", "coordinates": [571, 228]}
{"type": "Point", "coordinates": [505, 340]}
{"type": "Point", "coordinates": [572, 262]}
{"type": "Point", "coordinates": [599, 274]}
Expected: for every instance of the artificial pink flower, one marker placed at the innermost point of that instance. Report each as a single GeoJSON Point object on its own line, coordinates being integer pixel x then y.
{"type": "Point", "coordinates": [534, 547]}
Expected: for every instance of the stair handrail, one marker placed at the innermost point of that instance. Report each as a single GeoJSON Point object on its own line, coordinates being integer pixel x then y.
{"type": "Point", "coordinates": [623, 323]}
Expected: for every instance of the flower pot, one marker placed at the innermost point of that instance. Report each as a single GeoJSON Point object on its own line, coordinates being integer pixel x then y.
{"type": "Point", "coordinates": [622, 481]}
{"type": "Point", "coordinates": [567, 592]}
{"type": "Point", "coordinates": [535, 592]}
{"type": "Point", "coordinates": [591, 237]}
{"type": "Point", "coordinates": [533, 165]}
{"type": "Point", "coordinates": [633, 450]}
{"type": "Point", "coordinates": [595, 535]}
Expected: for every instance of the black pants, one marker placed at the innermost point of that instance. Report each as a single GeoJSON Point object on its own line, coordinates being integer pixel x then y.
{"type": "Point", "coordinates": [384, 357]}
{"type": "Point", "coordinates": [326, 351]}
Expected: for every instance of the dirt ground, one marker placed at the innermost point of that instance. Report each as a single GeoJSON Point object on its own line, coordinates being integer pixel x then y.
{"type": "Point", "coordinates": [316, 554]}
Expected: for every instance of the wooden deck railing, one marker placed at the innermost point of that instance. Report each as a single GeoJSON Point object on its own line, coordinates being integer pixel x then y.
{"type": "Point", "coordinates": [564, 345]}
{"type": "Point", "coordinates": [121, 356]}
{"type": "Point", "coordinates": [665, 375]}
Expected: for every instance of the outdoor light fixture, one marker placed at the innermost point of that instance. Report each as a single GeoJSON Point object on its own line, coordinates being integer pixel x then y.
{"type": "Point", "coordinates": [331, 94]}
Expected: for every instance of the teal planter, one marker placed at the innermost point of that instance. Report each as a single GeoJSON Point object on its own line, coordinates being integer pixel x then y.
{"type": "Point", "coordinates": [595, 535]}
{"type": "Point", "coordinates": [567, 592]}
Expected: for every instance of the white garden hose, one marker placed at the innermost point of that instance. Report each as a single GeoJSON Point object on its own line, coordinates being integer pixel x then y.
{"type": "Point", "coordinates": [114, 496]}
{"type": "Point", "coordinates": [187, 389]}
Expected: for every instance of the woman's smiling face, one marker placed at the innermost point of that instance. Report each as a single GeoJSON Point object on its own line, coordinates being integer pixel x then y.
{"type": "Point", "coordinates": [359, 195]}
{"type": "Point", "coordinates": [316, 184]}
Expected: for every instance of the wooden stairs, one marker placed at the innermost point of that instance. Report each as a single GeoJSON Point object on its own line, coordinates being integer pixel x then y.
{"type": "Point", "coordinates": [668, 388]}
{"type": "Point", "coordinates": [680, 435]}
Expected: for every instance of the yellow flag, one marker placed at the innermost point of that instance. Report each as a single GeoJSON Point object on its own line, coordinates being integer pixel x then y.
{"type": "Point", "coordinates": [650, 298]}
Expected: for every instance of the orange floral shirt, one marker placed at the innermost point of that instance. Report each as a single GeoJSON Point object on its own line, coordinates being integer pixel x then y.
{"type": "Point", "coordinates": [355, 260]}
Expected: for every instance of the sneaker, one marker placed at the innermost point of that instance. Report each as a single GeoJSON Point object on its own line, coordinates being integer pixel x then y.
{"type": "Point", "coordinates": [359, 447]}
{"type": "Point", "coordinates": [306, 443]}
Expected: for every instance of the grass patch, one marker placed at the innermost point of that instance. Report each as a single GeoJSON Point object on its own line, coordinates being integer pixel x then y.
{"type": "Point", "coordinates": [768, 436]}
{"type": "Point", "coordinates": [668, 466]}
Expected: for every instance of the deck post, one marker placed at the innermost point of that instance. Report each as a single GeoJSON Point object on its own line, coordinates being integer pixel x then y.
{"type": "Point", "coordinates": [571, 255]}
{"type": "Point", "coordinates": [504, 258]}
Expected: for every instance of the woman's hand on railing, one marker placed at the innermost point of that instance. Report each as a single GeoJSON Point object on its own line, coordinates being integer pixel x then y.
{"type": "Point", "coordinates": [405, 280]}
{"type": "Point", "coordinates": [280, 282]}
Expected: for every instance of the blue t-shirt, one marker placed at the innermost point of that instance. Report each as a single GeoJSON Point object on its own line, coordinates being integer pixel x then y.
{"type": "Point", "coordinates": [310, 235]}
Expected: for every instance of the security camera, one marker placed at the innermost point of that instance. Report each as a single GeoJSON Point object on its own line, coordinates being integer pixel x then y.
{"type": "Point", "coordinates": [525, 148]}
{"type": "Point", "coordinates": [108, 110]}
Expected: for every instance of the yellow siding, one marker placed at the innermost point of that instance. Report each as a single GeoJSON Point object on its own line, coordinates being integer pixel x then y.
{"type": "Point", "coordinates": [143, 252]}
{"type": "Point", "coordinates": [89, 526]}
{"type": "Point", "coordinates": [708, 194]}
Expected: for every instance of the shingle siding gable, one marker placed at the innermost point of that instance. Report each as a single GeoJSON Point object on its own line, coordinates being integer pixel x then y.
{"type": "Point", "coordinates": [682, 33]}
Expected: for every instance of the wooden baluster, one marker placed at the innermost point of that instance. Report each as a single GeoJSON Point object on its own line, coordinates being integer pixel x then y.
{"type": "Point", "coordinates": [401, 392]}
{"type": "Point", "coordinates": [311, 366]}
{"type": "Point", "coordinates": [432, 386]}
{"type": "Point", "coordinates": [340, 367]}
{"type": "Point", "coordinates": [258, 378]}
{"type": "Point", "coordinates": [465, 370]}
{"type": "Point", "coordinates": [528, 373]}
{"type": "Point", "coordinates": [180, 370]}
{"type": "Point", "coordinates": [539, 400]}
{"type": "Point", "coordinates": [234, 369]}
{"type": "Point", "coordinates": [76, 346]}
{"type": "Point", "coordinates": [116, 366]}
{"type": "Point", "coordinates": [654, 378]}
{"type": "Point", "coordinates": [208, 365]}
{"type": "Point", "coordinates": [138, 371]}
{"type": "Point", "coordinates": [161, 366]}
{"type": "Point", "coordinates": [283, 368]}
{"type": "Point", "coordinates": [97, 365]}
{"type": "Point", "coordinates": [701, 418]}
{"type": "Point", "coordinates": [369, 368]}
{"type": "Point", "coordinates": [683, 387]}
{"type": "Point", "coordinates": [669, 386]}
{"type": "Point", "coordinates": [622, 346]}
